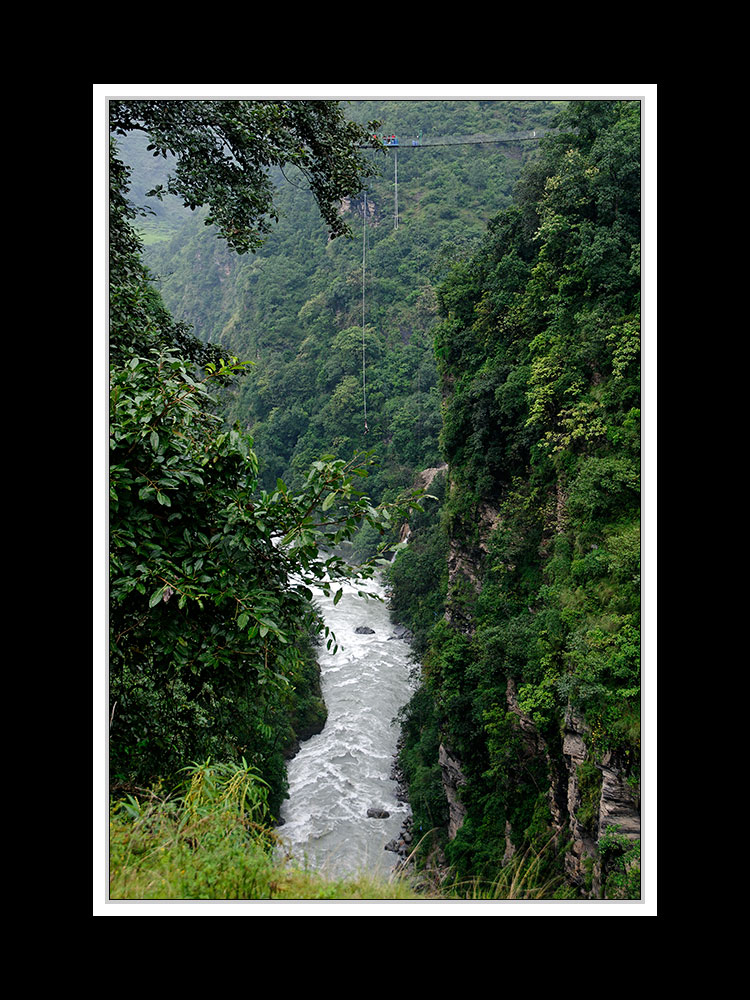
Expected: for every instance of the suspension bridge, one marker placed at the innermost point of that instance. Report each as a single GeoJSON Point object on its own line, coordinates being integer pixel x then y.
{"type": "Point", "coordinates": [419, 141]}
{"type": "Point", "coordinates": [478, 139]}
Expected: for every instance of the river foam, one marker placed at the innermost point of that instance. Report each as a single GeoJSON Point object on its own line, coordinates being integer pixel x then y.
{"type": "Point", "coordinates": [346, 769]}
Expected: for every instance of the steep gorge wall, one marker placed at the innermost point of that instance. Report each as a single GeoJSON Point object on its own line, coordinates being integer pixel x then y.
{"type": "Point", "coordinates": [585, 799]}
{"type": "Point", "coordinates": [536, 667]}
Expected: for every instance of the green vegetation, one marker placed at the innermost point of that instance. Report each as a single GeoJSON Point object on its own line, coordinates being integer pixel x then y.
{"type": "Point", "coordinates": [497, 331]}
{"type": "Point", "coordinates": [207, 839]}
{"type": "Point", "coordinates": [538, 352]}
{"type": "Point", "coordinates": [210, 640]}
{"type": "Point", "coordinates": [296, 308]}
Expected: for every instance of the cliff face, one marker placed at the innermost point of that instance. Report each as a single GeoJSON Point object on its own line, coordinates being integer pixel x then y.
{"type": "Point", "coordinates": [534, 668]}
{"type": "Point", "coordinates": [616, 806]}
{"type": "Point", "coordinates": [453, 779]}
{"type": "Point", "coordinates": [586, 795]}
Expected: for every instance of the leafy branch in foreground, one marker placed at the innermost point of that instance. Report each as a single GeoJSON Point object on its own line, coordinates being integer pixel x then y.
{"type": "Point", "coordinates": [224, 151]}
{"type": "Point", "coordinates": [211, 581]}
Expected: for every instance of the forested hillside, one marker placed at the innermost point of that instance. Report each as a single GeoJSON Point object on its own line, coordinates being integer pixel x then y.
{"type": "Point", "coordinates": [212, 626]}
{"type": "Point", "coordinates": [480, 321]}
{"type": "Point", "coordinates": [531, 694]}
{"type": "Point", "coordinates": [295, 309]}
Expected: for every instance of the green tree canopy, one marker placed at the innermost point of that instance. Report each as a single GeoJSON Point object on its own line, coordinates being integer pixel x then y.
{"type": "Point", "coordinates": [225, 149]}
{"type": "Point", "coordinates": [210, 578]}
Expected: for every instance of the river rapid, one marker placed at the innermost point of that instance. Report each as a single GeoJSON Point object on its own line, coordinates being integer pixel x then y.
{"type": "Point", "coordinates": [346, 769]}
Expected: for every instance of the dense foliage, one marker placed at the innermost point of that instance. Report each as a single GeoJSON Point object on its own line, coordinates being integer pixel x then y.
{"type": "Point", "coordinates": [209, 838]}
{"type": "Point", "coordinates": [538, 350]}
{"type": "Point", "coordinates": [211, 602]}
{"type": "Point", "coordinates": [296, 309]}
{"type": "Point", "coordinates": [224, 150]}
{"type": "Point", "coordinates": [497, 330]}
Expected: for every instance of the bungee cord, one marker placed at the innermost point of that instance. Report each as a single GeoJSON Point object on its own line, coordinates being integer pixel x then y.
{"type": "Point", "coordinates": [418, 142]}
{"type": "Point", "coordinates": [364, 360]}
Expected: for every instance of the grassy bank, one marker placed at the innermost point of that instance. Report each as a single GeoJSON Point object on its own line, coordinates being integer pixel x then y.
{"type": "Point", "coordinates": [212, 841]}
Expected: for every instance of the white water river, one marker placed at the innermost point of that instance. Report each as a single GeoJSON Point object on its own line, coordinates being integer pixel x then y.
{"type": "Point", "coordinates": [346, 769]}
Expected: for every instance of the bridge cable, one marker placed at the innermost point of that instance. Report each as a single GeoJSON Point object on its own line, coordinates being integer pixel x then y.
{"type": "Point", "coordinates": [364, 367]}
{"type": "Point", "coordinates": [438, 141]}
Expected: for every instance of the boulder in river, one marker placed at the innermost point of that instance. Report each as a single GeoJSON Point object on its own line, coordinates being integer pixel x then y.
{"type": "Point", "coordinates": [374, 813]}
{"type": "Point", "coordinates": [402, 632]}
{"type": "Point", "coordinates": [364, 630]}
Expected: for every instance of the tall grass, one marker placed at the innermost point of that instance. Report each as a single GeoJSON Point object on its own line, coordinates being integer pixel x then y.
{"type": "Point", "coordinates": [525, 877]}
{"type": "Point", "coordinates": [212, 841]}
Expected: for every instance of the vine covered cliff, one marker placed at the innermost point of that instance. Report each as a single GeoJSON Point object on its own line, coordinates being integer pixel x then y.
{"type": "Point", "coordinates": [529, 711]}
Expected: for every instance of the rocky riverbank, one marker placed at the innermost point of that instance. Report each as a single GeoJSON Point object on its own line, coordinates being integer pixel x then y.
{"type": "Point", "coordinates": [401, 845]}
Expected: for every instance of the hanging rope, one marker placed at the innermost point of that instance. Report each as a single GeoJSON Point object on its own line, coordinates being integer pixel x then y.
{"type": "Point", "coordinates": [364, 367]}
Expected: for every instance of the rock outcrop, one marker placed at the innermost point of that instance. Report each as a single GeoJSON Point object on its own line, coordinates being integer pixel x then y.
{"type": "Point", "coordinates": [616, 806]}
{"type": "Point", "coordinates": [453, 779]}
{"type": "Point", "coordinates": [587, 795]}
{"type": "Point", "coordinates": [423, 481]}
